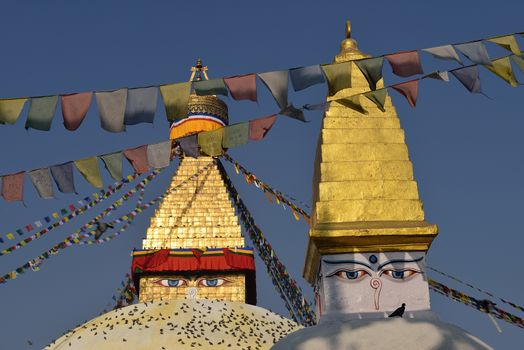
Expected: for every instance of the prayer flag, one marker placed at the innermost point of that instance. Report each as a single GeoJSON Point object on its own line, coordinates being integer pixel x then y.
{"type": "Point", "coordinates": [176, 99]}
{"type": "Point", "coordinates": [41, 179]}
{"type": "Point", "coordinates": [243, 87]}
{"type": "Point", "coordinates": [294, 113]}
{"type": "Point", "coordinates": [210, 142]}
{"type": "Point", "coordinates": [353, 102]}
{"type": "Point", "coordinates": [189, 145]}
{"type": "Point", "coordinates": [141, 105]}
{"type": "Point", "coordinates": [378, 97]}
{"type": "Point", "coordinates": [258, 128]}
{"type": "Point", "coordinates": [41, 112]}
{"type": "Point", "coordinates": [236, 135]}
{"type": "Point", "coordinates": [445, 52]}
{"type": "Point", "coordinates": [113, 164]}
{"type": "Point", "coordinates": [405, 64]}
{"type": "Point", "coordinates": [277, 83]}
{"type": "Point", "coordinates": [13, 187]}
{"type": "Point", "coordinates": [338, 76]}
{"type": "Point", "coordinates": [438, 76]}
{"type": "Point", "coordinates": [508, 42]}
{"type": "Point", "coordinates": [138, 158]}
{"type": "Point", "coordinates": [88, 167]}
{"type": "Point", "coordinates": [519, 61]}
{"type": "Point", "coordinates": [10, 236]}
{"type": "Point", "coordinates": [372, 70]}
{"type": "Point", "coordinates": [63, 176]}
{"type": "Point", "coordinates": [409, 89]}
{"type": "Point", "coordinates": [469, 77]}
{"type": "Point", "coordinates": [158, 154]}
{"type": "Point", "coordinates": [304, 77]}
{"type": "Point", "coordinates": [10, 109]}
{"type": "Point", "coordinates": [475, 51]}
{"type": "Point", "coordinates": [210, 87]}
{"type": "Point", "coordinates": [111, 107]}
{"type": "Point", "coordinates": [502, 68]}
{"type": "Point", "coordinates": [74, 109]}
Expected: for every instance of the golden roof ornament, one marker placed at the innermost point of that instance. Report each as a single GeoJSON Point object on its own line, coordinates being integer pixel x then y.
{"type": "Point", "coordinates": [348, 48]}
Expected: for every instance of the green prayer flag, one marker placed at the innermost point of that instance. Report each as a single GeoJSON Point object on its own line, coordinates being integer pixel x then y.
{"type": "Point", "coordinates": [236, 135]}
{"type": "Point", "coordinates": [10, 109]}
{"type": "Point", "coordinates": [502, 68]}
{"type": "Point", "coordinates": [113, 164]}
{"type": "Point", "coordinates": [41, 112]}
{"type": "Point", "coordinates": [176, 99]}
{"type": "Point", "coordinates": [210, 87]}
{"type": "Point", "coordinates": [353, 102]}
{"type": "Point", "coordinates": [210, 142]}
{"type": "Point", "coordinates": [88, 167]}
{"type": "Point", "coordinates": [372, 70]}
{"type": "Point", "coordinates": [508, 42]}
{"type": "Point", "coordinates": [378, 97]}
{"type": "Point", "coordinates": [338, 76]}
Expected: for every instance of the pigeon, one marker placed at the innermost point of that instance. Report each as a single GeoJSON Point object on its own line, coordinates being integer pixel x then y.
{"type": "Point", "coordinates": [399, 311]}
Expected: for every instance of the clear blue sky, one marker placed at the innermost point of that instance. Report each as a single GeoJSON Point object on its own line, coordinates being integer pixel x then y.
{"type": "Point", "coordinates": [467, 150]}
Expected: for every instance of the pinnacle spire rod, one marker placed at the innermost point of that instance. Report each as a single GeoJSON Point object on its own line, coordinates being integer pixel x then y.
{"type": "Point", "coordinates": [198, 70]}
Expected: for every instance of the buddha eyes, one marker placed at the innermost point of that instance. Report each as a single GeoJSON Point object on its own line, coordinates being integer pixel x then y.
{"type": "Point", "coordinates": [400, 274]}
{"type": "Point", "coordinates": [212, 282]}
{"type": "Point", "coordinates": [201, 282]}
{"type": "Point", "coordinates": [352, 275]}
{"type": "Point", "coordinates": [172, 282]}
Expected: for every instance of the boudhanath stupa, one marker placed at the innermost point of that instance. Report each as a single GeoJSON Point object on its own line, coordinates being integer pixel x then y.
{"type": "Point", "coordinates": [368, 239]}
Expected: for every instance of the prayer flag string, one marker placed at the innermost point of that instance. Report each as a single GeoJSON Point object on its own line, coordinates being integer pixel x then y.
{"type": "Point", "coordinates": [286, 286]}
{"type": "Point", "coordinates": [485, 306]}
{"type": "Point", "coordinates": [516, 306]}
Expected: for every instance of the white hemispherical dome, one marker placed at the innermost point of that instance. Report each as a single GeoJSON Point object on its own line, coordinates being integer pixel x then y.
{"type": "Point", "coordinates": [180, 324]}
{"type": "Point", "coordinates": [390, 333]}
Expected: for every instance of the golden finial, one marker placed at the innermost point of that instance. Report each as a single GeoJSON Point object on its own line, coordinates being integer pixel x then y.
{"type": "Point", "coordinates": [348, 29]}
{"type": "Point", "coordinates": [198, 70]}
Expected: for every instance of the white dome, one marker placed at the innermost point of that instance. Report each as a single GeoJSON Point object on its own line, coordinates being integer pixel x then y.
{"type": "Point", "coordinates": [180, 324]}
{"type": "Point", "coordinates": [389, 333]}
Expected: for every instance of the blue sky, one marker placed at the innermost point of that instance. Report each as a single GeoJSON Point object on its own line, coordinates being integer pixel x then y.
{"type": "Point", "coordinates": [467, 150]}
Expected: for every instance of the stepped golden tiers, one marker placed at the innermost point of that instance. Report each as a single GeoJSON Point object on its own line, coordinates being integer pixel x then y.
{"type": "Point", "coordinates": [365, 198]}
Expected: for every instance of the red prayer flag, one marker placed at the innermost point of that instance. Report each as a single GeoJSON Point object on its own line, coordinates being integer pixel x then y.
{"type": "Point", "coordinates": [13, 187]}
{"type": "Point", "coordinates": [243, 87]}
{"type": "Point", "coordinates": [138, 158]}
{"type": "Point", "coordinates": [405, 64]}
{"type": "Point", "coordinates": [409, 89]}
{"type": "Point", "coordinates": [74, 109]}
{"type": "Point", "coordinates": [258, 128]}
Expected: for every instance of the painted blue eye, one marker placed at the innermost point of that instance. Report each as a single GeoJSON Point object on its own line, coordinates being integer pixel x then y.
{"type": "Point", "coordinates": [171, 282]}
{"type": "Point", "coordinates": [351, 274]}
{"type": "Point", "coordinates": [212, 282]}
{"type": "Point", "coordinates": [398, 275]}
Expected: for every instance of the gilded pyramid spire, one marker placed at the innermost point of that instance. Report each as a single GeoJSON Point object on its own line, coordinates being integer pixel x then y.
{"type": "Point", "coordinates": [194, 248]}
{"type": "Point", "coordinates": [366, 204]}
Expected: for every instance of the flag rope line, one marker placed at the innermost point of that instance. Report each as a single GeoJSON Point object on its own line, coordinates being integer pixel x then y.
{"type": "Point", "coordinates": [287, 287]}
{"type": "Point", "coordinates": [516, 306]}
{"type": "Point", "coordinates": [485, 306]}
{"type": "Point", "coordinates": [279, 196]}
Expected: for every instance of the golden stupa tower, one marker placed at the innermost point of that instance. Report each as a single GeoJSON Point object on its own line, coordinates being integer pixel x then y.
{"type": "Point", "coordinates": [368, 228]}
{"type": "Point", "coordinates": [194, 247]}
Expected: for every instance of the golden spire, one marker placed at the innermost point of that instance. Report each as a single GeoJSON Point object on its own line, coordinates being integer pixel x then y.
{"type": "Point", "coordinates": [365, 198]}
{"type": "Point", "coordinates": [197, 70]}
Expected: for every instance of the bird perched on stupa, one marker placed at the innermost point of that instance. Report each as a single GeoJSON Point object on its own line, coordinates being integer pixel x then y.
{"type": "Point", "coordinates": [399, 311]}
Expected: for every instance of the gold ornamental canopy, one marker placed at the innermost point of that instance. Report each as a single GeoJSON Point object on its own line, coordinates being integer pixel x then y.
{"type": "Point", "coordinates": [365, 198]}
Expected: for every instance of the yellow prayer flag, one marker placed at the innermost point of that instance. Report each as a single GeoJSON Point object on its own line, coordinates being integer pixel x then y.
{"type": "Point", "coordinates": [502, 68]}
{"type": "Point", "coordinates": [10, 236]}
{"type": "Point", "coordinates": [55, 215]}
{"type": "Point", "coordinates": [508, 42]}
{"type": "Point", "coordinates": [210, 142]}
{"type": "Point", "coordinates": [176, 98]}
{"type": "Point", "coordinates": [338, 76]}
{"type": "Point", "coordinates": [10, 109]}
{"type": "Point", "coordinates": [88, 167]}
